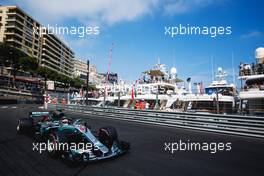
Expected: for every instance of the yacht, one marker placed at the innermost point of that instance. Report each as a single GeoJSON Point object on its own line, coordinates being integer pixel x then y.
{"type": "Point", "coordinates": [251, 96]}
{"type": "Point", "coordinates": [218, 97]}
{"type": "Point", "coordinates": [157, 88]}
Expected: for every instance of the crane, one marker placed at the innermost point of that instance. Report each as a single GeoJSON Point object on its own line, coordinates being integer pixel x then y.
{"type": "Point", "coordinates": [108, 71]}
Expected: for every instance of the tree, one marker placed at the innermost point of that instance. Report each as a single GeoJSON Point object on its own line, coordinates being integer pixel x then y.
{"type": "Point", "coordinates": [55, 76]}
{"type": "Point", "coordinates": [17, 60]}
{"type": "Point", "coordinates": [92, 87]}
{"type": "Point", "coordinates": [64, 80]}
{"type": "Point", "coordinates": [77, 82]}
{"type": "Point", "coordinates": [3, 56]}
{"type": "Point", "coordinates": [28, 64]}
{"type": "Point", "coordinates": [45, 73]}
{"type": "Point", "coordinates": [10, 58]}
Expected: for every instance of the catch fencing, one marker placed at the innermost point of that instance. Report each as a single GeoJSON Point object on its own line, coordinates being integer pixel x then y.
{"type": "Point", "coordinates": [252, 126]}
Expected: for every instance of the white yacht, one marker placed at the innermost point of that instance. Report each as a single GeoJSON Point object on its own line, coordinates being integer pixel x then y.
{"type": "Point", "coordinates": [218, 97]}
{"type": "Point", "coordinates": [157, 89]}
{"type": "Point", "coordinates": [251, 96]}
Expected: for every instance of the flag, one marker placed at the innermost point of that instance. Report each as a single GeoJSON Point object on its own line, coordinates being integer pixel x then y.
{"type": "Point", "coordinates": [201, 88]}
{"type": "Point", "coordinates": [135, 91]}
{"type": "Point", "coordinates": [81, 93]}
{"type": "Point", "coordinates": [132, 93]}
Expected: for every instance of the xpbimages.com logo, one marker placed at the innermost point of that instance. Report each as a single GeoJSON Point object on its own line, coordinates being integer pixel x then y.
{"type": "Point", "coordinates": [80, 31]}
{"type": "Point", "coordinates": [185, 146]}
{"type": "Point", "coordinates": [212, 31]}
{"type": "Point", "coordinates": [51, 146]}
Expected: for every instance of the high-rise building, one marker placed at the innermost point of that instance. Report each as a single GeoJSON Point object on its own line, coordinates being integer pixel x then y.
{"type": "Point", "coordinates": [20, 30]}
{"type": "Point", "coordinates": [80, 68]}
{"type": "Point", "coordinates": [16, 29]}
{"type": "Point", "coordinates": [56, 55]}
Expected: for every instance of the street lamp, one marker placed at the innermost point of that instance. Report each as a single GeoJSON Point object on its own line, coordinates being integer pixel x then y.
{"type": "Point", "coordinates": [87, 80]}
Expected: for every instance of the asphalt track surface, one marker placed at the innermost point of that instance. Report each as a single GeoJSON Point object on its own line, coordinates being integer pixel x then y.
{"type": "Point", "coordinates": [147, 155]}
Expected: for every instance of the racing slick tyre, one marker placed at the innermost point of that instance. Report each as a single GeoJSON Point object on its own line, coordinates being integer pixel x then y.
{"type": "Point", "coordinates": [24, 125]}
{"type": "Point", "coordinates": [53, 145]}
{"type": "Point", "coordinates": [57, 144]}
{"type": "Point", "coordinates": [73, 160]}
{"type": "Point", "coordinates": [107, 135]}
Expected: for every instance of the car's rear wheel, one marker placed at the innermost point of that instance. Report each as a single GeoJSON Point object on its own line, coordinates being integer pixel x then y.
{"type": "Point", "coordinates": [24, 125]}
{"type": "Point", "coordinates": [107, 135]}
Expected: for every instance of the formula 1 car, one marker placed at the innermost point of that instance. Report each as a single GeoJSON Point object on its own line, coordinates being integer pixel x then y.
{"type": "Point", "coordinates": [72, 139]}
{"type": "Point", "coordinates": [77, 142]}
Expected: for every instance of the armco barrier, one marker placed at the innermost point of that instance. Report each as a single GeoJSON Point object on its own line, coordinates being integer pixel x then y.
{"type": "Point", "coordinates": [230, 124]}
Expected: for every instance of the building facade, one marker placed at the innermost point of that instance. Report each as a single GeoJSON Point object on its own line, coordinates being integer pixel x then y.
{"type": "Point", "coordinates": [111, 78]}
{"type": "Point", "coordinates": [20, 30]}
{"type": "Point", "coordinates": [80, 70]}
{"type": "Point", "coordinates": [56, 55]}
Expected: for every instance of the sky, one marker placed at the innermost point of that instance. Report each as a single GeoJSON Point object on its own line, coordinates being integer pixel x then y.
{"type": "Point", "coordinates": [137, 31]}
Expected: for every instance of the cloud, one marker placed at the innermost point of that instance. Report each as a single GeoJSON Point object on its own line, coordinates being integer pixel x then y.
{"type": "Point", "coordinates": [104, 11]}
{"type": "Point", "coordinates": [252, 34]}
{"type": "Point", "coordinates": [185, 6]}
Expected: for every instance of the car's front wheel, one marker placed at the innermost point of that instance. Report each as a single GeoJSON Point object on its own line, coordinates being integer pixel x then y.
{"type": "Point", "coordinates": [107, 135]}
{"type": "Point", "coordinates": [53, 145]}
{"type": "Point", "coordinates": [74, 159]}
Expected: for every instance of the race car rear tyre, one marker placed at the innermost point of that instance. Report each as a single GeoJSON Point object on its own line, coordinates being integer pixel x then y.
{"type": "Point", "coordinates": [107, 135]}
{"type": "Point", "coordinates": [24, 125]}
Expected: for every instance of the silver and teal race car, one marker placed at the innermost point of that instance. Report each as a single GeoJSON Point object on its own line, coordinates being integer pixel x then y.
{"type": "Point", "coordinates": [40, 124]}
{"type": "Point", "coordinates": [72, 139]}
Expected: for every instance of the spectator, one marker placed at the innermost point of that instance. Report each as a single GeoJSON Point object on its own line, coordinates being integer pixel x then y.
{"type": "Point", "coordinates": [147, 105]}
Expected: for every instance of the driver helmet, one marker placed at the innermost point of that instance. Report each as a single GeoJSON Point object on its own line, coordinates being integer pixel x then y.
{"type": "Point", "coordinates": [65, 121]}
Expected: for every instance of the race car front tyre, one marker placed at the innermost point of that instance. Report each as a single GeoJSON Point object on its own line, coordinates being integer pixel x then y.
{"type": "Point", "coordinates": [53, 145]}
{"type": "Point", "coordinates": [24, 125]}
{"type": "Point", "coordinates": [74, 159]}
{"type": "Point", "coordinates": [107, 135]}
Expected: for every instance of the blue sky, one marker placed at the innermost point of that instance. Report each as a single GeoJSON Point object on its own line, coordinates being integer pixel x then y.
{"type": "Point", "coordinates": [137, 30]}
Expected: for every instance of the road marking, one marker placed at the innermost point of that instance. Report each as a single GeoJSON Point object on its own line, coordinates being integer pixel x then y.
{"type": "Point", "coordinates": [6, 107]}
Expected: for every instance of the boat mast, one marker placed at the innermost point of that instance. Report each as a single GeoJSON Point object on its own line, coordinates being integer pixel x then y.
{"type": "Point", "coordinates": [108, 71]}
{"type": "Point", "coordinates": [233, 70]}
{"type": "Point", "coordinates": [212, 65]}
